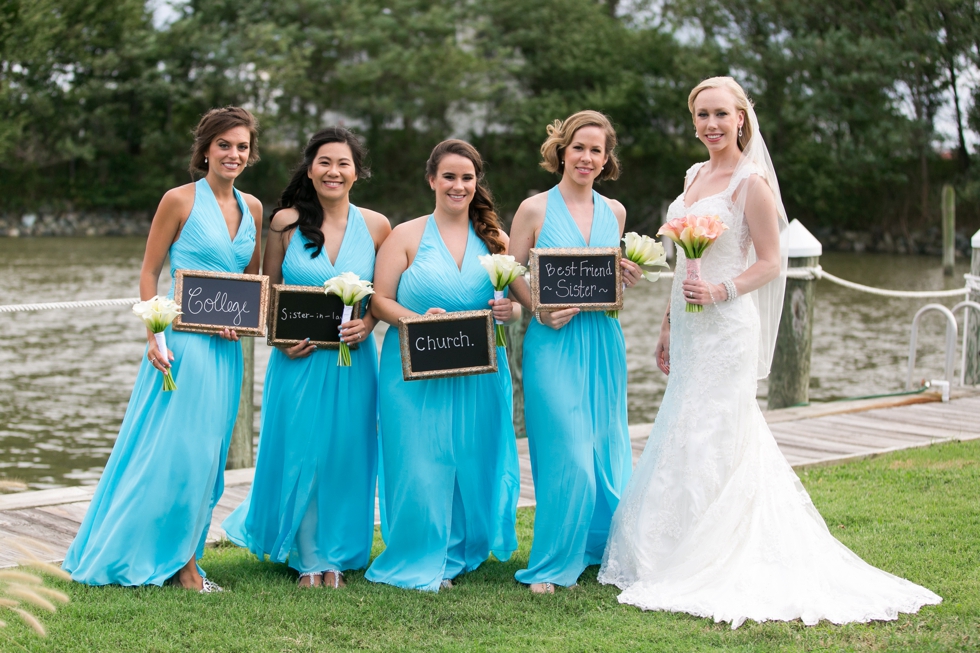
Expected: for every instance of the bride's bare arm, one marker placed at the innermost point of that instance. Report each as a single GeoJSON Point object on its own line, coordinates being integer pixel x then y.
{"type": "Point", "coordinates": [763, 222]}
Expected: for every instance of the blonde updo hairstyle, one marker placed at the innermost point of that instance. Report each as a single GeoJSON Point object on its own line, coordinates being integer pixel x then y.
{"type": "Point", "coordinates": [561, 133]}
{"type": "Point", "coordinates": [742, 103]}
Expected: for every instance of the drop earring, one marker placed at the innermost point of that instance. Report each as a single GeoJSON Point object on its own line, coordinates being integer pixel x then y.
{"type": "Point", "coordinates": [205, 159]}
{"type": "Point", "coordinates": [740, 132]}
{"type": "Point", "coordinates": [695, 133]}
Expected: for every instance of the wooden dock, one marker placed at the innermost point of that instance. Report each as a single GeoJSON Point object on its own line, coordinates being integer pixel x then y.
{"type": "Point", "coordinates": [807, 436]}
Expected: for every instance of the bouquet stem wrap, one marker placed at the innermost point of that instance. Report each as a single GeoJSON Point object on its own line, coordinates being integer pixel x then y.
{"type": "Point", "coordinates": [168, 379]}
{"type": "Point", "coordinates": [693, 274]}
{"type": "Point", "coordinates": [343, 358]}
{"type": "Point", "coordinates": [499, 329]}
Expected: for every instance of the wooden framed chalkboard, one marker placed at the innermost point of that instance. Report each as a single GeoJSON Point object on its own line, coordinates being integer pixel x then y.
{"type": "Point", "coordinates": [214, 301]}
{"type": "Point", "coordinates": [447, 344]}
{"type": "Point", "coordinates": [588, 278]}
{"type": "Point", "coordinates": [301, 312]}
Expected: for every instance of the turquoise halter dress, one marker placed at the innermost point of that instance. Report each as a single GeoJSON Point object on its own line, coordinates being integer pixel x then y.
{"type": "Point", "coordinates": [575, 413]}
{"type": "Point", "coordinates": [312, 499]}
{"type": "Point", "coordinates": [449, 476]}
{"type": "Point", "coordinates": [152, 507]}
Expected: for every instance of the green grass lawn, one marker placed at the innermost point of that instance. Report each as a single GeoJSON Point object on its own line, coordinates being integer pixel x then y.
{"type": "Point", "coordinates": [914, 513]}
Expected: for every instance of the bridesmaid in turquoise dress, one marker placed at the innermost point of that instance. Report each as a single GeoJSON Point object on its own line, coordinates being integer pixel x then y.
{"type": "Point", "coordinates": [449, 473]}
{"type": "Point", "coordinates": [574, 363]}
{"type": "Point", "coordinates": [312, 500]}
{"type": "Point", "coordinates": [149, 518]}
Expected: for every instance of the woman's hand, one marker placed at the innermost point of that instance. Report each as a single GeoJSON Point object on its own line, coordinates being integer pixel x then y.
{"type": "Point", "coordinates": [703, 293]}
{"type": "Point", "coordinates": [662, 353]}
{"type": "Point", "coordinates": [155, 356]}
{"type": "Point", "coordinates": [632, 273]}
{"type": "Point", "coordinates": [435, 311]}
{"type": "Point", "coordinates": [503, 309]}
{"type": "Point", "coordinates": [558, 319]}
{"type": "Point", "coordinates": [229, 334]}
{"type": "Point", "coordinates": [354, 331]}
{"type": "Point", "coordinates": [299, 350]}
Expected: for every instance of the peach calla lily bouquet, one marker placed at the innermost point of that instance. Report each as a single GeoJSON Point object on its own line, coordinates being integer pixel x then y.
{"type": "Point", "coordinates": [693, 234]}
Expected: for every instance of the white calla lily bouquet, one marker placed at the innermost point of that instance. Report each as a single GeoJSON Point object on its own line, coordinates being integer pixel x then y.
{"type": "Point", "coordinates": [157, 313]}
{"type": "Point", "coordinates": [645, 252]}
{"type": "Point", "coordinates": [503, 270]}
{"type": "Point", "coordinates": [351, 289]}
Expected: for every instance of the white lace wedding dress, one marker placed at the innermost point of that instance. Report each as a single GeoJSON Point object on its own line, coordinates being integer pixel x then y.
{"type": "Point", "coordinates": [714, 521]}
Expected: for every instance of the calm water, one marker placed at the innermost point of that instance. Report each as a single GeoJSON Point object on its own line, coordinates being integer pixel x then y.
{"type": "Point", "coordinates": [65, 376]}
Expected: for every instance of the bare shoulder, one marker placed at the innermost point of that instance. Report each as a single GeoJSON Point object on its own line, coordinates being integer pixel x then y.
{"type": "Point", "coordinates": [255, 206]}
{"type": "Point", "coordinates": [283, 219]}
{"type": "Point", "coordinates": [410, 230]}
{"type": "Point", "coordinates": [179, 200]}
{"type": "Point", "coordinates": [531, 212]}
{"type": "Point", "coordinates": [617, 208]}
{"type": "Point", "coordinates": [376, 222]}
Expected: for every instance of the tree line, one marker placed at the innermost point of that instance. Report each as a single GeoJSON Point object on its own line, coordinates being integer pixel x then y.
{"type": "Point", "coordinates": [98, 97]}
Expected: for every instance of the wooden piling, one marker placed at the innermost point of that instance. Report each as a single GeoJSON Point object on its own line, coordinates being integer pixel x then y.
{"type": "Point", "coordinates": [515, 356]}
{"type": "Point", "coordinates": [789, 378]}
{"type": "Point", "coordinates": [971, 373]}
{"type": "Point", "coordinates": [949, 229]}
{"type": "Point", "coordinates": [240, 451]}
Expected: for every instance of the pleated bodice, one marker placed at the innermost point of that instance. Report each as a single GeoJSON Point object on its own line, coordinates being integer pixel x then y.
{"type": "Point", "coordinates": [434, 280]}
{"type": "Point", "coordinates": [559, 228]}
{"type": "Point", "coordinates": [204, 242]}
{"type": "Point", "coordinates": [356, 255]}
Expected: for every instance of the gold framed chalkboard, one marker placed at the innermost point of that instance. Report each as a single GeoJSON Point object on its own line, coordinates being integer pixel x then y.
{"type": "Point", "coordinates": [588, 278]}
{"type": "Point", "coordinates": [301, 312]}
{"type": "Point", "coordinates": [214, 301]}
{"type": "Point", "coordinates": [447, 344]}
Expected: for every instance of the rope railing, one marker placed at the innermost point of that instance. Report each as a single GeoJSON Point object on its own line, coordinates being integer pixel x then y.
{"type": "Point", "coordinates": [16, 308]}
{"type": "Point", "coordinates": [817, 272]}
{"type": "Point", "coordinates": [807, 274]}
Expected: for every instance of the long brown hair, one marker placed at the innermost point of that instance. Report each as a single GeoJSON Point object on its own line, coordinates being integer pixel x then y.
{"type": "Point", "coordinates": [216, 122]}
{"type": "Point", "coordinates": [484, 217]}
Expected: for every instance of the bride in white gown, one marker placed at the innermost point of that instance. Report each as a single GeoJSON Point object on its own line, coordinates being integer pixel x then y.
{"type": "Point", "coordinates": [714, 521]}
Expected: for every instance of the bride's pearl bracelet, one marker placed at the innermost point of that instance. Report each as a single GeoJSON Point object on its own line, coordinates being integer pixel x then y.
{"type": "Point", "coordinates": [730, 289]}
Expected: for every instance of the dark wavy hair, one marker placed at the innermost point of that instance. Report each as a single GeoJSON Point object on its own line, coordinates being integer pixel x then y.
{"type": "Point", "coordinates": [482, 213]}
{"type": "Point", "coordinates": [300, 194]}
{"type": "Point", "coordinates": [216, 122]}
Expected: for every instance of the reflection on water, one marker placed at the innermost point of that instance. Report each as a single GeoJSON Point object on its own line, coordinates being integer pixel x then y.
{"type": "Point", "coordinates": [65, 376]}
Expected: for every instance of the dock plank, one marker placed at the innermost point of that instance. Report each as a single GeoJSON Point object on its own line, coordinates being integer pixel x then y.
{"type": "Point", "coordinates": [807, 436]}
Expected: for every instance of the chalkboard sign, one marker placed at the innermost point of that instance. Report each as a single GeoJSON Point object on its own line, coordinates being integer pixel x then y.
{"type": "Point", "coordinates": [588, 278]}
{"type": "Point", "coordinates": [447, 344]}
{"type": "Point", "coordinates": [214, 301]}
{"type": "Point", "coordinates": [301, 312]}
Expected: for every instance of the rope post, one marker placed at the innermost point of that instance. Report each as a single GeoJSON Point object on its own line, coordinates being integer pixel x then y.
{"type": "Point", "coordinates": [240, 451]}
{"type": "Point", "coordinates": [971, 368]}
{"type": "Point", "coordinates": [789, 379]}
{"type": "Point", "coordinates": [949, 229]}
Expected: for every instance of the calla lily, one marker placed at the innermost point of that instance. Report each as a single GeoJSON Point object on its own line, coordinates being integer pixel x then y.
{"type": "Point", "coordinates": [645, 252]}
{"type": "Point", "coordinates": [694, 234]}
{"type": "Point", "coordinates": [157, 313]}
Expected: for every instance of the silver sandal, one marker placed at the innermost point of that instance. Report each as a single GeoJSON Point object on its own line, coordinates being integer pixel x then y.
{"type": "Point", "coordinates": [210, 587]}
{"type": "Point", "coordinates": [446, 584]}
{"type": "Point", "coordinates": [309, 574]}
{"type": "Point", "coordinates": [338, 578]}
{"type": "Point", "coordinates": [546, 588]}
